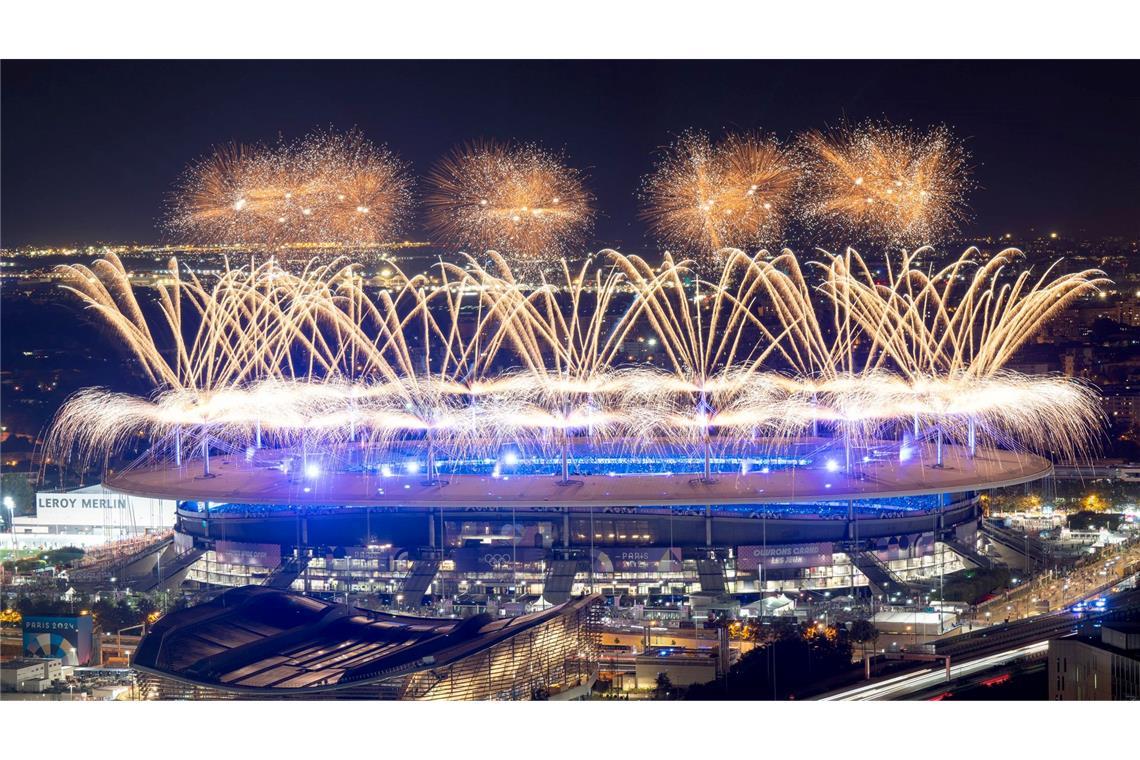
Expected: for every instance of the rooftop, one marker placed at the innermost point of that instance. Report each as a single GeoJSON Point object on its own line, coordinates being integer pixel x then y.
{"type": "Point", "coordinates": [233, 479]}
{"type": "Point", "coordinates": [256, 639]}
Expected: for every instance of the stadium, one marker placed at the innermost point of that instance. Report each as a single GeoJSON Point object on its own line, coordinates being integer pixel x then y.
{"type": "Point", "coordinates": [798, 525]}
{"type": "Point", "coordinates": [466, 442]}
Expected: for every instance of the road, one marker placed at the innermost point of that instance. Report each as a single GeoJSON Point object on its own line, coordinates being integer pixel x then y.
{"type": "Point", "coordinates": [909, 683]}
{"type": "Point", "coordinates": [1089, 576]}
{"type": "Point", "coordinates": [982, 650]}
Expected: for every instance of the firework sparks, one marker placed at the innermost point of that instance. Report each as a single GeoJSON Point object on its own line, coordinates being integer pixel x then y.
{"type": "Point", "coordinates": [887, 182]}
{"type": "Point", "coordinates": [324, 188]}
{"type": "Point", "coordinates": [297, 358]}
{"type": "Point", "coordinates": [704, 197]}
{"type": "Point", "coordinates": [521, 201]}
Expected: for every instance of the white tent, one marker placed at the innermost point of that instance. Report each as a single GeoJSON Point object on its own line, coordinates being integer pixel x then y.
{"type": "Point", "coordinates": [769, 606]}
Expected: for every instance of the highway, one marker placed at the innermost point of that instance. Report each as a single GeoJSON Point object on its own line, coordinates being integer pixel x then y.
{"type": "Point", "coordinates": [909, 683]}
{"type": "Point", "coordinates": [981, 650]}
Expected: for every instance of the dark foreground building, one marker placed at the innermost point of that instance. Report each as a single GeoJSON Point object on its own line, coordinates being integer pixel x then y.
{"type": "Point", "coordinates": [1097, 668]}
{"type": "Point", "coordinates": [260, 643]}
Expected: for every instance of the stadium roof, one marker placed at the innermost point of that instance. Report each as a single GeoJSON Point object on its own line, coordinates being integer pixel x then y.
{"type": "Point", "coordinates": [258, 640]}
{"type": "Point", "coordinates": [235, 480]}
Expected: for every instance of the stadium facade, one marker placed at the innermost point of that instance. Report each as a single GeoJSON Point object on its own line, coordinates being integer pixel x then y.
{"type": "Point", "coordinates": [516, 540]}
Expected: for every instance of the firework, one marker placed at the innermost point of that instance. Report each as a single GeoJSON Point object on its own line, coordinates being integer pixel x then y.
{"type": "Point", "coordinates": [887, 182]}
{"type": "Point", "coordinates": [704, 197]}
{"type": "Point", "coordinates": [521, 201]}
{"type": "Point", "coordinates": [324, 188]}
{"type": "Point", "coordinates": [293, 359]}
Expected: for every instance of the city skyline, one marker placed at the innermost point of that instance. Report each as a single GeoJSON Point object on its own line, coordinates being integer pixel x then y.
{"type": "Point", "coordinates": [570, 380]}
{"type": "Point", "coordinates": [733, 358]}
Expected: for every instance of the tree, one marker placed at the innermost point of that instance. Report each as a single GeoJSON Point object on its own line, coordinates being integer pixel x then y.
{"type": "Point", "coordinates": [17, 486]}
{"type": "Point", "coordinates": [1094, 502]}
{"type": "Point", "coordinates": [863, 632]}
{"type": "Point", "coordinates": [146, 607]}
{"type": "Point", "coordinates": [801, 658]}
{"type": "Point", "coordinates": [663, 686]}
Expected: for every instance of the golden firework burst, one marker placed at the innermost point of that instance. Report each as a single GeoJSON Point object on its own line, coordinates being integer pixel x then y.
{"type": "Point", "coordinates": [521, 201]}
{"type": "Point", "coordinates": [325, 188]}
{"type": "Point", "coordinates": [887, 182]}
{"type": "Point", "coordinates": [704, 197]}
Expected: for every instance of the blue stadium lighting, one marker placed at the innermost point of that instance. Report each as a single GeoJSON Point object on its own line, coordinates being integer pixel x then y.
{"type": "Point", "coordinates": [312, 470]}
{"type": "Point", "coordinates": [832, 465]}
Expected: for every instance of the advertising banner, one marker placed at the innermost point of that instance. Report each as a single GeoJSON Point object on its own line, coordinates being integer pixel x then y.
{"type": "Point", "coordinates": [250, 555]}
{"type": "Point", "coordinates": [66, 638]}
{"type": "Point", "coordinates": [902, 547]}
{"type": "Point", "coordinates": [783, 556]}
{"type": "Point", "coordinates": [659, 559]}
{"type": "Point", "coordinates": [96, 507]}
{"type": "Point", "coordinates": [183, 542]}
{"type": "Point", "coordinates": [474, 559]}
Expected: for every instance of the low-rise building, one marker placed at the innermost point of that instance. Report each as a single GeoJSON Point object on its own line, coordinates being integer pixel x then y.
{"type": "Point", "coordinates": [30, 674]}
{"type": "Point", "coordinates": [683, 667]}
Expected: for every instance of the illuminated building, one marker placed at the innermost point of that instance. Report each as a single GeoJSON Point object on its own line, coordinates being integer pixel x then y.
{"type": "Point", "coordinates": [265, 644]}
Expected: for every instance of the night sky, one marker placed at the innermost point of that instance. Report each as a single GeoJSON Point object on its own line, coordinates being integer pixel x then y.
{"type": "Point", "coordinates": [91, 148]}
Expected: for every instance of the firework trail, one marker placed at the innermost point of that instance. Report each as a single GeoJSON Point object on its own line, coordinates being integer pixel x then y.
{"type": "Point", "coordinates": [756, 358]}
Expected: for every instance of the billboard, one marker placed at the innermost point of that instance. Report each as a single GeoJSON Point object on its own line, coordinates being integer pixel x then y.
{"type": "Point", "coordinates": [656, 559]}
{"type": "Point", "coordinates": [96, 507]}
{"type": "Point", "coordinates": [782, 556]}
{"type": "Point", "coordinates": [474, 559]}
{"type": "Point", "coordinates": [250, 555]}
{"type": "Point", "coordinates": [67, 638]}
{"type": "Point", "coordinates": [903, 547]}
